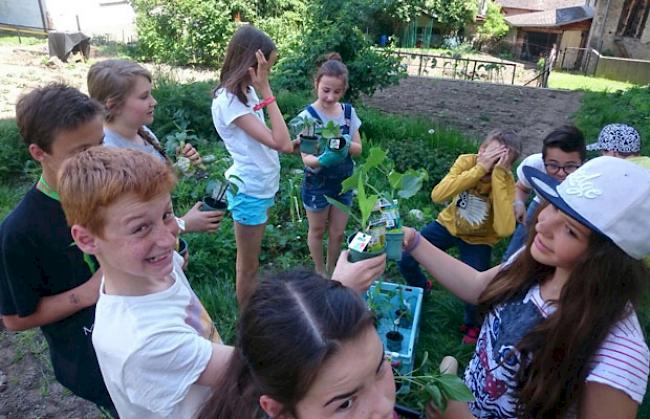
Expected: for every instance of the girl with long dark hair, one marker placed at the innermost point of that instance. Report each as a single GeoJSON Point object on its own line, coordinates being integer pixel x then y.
{"type": "Point", "coordinates": [561, 337]}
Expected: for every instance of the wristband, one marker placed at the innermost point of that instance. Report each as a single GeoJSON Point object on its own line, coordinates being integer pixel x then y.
{"type": "Point", "coordinates": [414, 243]}
{"type": "Point", "coordinates": [263, 104]}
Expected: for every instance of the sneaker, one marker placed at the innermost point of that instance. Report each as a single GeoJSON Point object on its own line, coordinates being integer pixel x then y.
{"type": "Point", "coordinates": [471, 335]}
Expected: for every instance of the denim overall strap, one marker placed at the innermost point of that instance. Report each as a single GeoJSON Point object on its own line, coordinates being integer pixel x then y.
{"type": "Point", "coordinates": [347, 114]}
{"type": "Point", "coordinates": [314, 114]}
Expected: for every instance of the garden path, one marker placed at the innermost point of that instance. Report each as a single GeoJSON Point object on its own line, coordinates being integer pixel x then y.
{"type": "Point", "coordinates": [475, 108]}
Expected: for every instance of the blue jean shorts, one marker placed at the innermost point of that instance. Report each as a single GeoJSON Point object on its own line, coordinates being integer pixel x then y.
{"type": "Point", "coordinates": [248, 210]}
{"type": "Point", "coordinates": [315, 188]}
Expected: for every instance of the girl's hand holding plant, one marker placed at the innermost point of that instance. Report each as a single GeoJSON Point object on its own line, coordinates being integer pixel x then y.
{"type": "Point", "coordinates": [197, 220]}
{"type": "Point", "coordinates": [190, 152]}
{"type": "Point", "coordinates": [358, 275]}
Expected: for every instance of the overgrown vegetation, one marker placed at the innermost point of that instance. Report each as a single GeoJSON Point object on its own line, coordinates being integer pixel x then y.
{"type": "Point", "coordinates": [493, 28]}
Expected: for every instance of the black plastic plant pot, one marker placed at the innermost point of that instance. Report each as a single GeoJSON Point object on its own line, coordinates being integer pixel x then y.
{"type": "Point", "coordinates": [394, 244]}
{"type": "Point", "coordinates": [211, 204]}
{"type": "Point", "coordinates": [356, 256]}
{"type": "Point", "coordinates": [394, 341]}
{"type": "Point", "coordinates": [181, 248]}
{"type": "Point", "coordinates": [309, 144]}
{"type": "Point", "coordinates": [336, 144]}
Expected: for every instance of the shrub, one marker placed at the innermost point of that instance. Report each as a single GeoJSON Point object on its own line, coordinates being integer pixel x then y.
{"type": "Point", "coordinates": [185, 31]}
{"type": "Point", "coordinates": [183, 106]}
{"type": "Point", "coordinates": [13, 152]}
{"type": "Point", "coordinates": [335, 26]}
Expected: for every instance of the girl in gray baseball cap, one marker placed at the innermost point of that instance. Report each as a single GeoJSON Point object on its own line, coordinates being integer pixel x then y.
{"type": "Point", "coordinates": [561, 337]}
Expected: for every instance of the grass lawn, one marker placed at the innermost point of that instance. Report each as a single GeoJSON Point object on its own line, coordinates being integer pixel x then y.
{"type": "Point", "coordinates": [12, 38]}
{"type": "Point", "coordinates": [571, 81]}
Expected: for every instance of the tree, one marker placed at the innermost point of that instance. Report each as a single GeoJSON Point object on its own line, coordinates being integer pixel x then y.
{"type": "Point", "coordinates": [336, 25]}
{"type": "Point", "coordinates": [187, 31]}
{"type": "Point", "coordinates": [494, 27]}
{"type": "Point", "coordinates": [453, 14]}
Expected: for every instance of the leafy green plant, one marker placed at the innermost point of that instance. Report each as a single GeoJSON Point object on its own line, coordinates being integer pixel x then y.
{"type": "Point", "coordinates": [377, 173]}
{"type": "Point", "coordinates": [435, 386]}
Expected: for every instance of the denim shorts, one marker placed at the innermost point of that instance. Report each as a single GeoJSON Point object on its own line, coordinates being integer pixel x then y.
{"type": "Point", "coordinates": [248, 210]}
{"type": "Point", "coordinates": [315, 188]}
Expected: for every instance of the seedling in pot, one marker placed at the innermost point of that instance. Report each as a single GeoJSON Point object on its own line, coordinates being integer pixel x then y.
{"type": "Point", "coordinates": [307, 128]}
{"type": "Point", "coordinates": [216, 193]}
{"type": "Point", "coordinates": [386, 185]}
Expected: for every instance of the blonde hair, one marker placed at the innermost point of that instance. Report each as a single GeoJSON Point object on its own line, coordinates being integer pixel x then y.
{"type": "Point", "coordinates": [92, 180]}
{"type": "Point", "coordinates": [112, 81]}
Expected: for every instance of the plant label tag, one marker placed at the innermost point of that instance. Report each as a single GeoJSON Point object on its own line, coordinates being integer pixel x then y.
{"type": "Point", "coordinates": [360, 241]}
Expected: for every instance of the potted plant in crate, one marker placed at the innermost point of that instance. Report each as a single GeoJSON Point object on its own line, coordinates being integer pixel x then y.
{"type": "Point", "coordinates": [378, 175]}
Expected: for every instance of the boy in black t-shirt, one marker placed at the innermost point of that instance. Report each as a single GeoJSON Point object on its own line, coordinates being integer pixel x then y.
{"type": "Point", "coordinates": [45, 280]}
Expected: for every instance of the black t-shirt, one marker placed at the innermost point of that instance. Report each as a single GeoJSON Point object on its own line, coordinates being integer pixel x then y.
{"type": "Point", "coordinates": [38, 258]}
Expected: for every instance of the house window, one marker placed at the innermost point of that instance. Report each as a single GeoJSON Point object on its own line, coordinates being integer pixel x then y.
{"type": "Point", "coordinates": [633, 18]}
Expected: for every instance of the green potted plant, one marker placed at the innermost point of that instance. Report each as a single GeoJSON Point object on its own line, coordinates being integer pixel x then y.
{"type": "Point", "coordinates": [308, 129]}
{"type": "Point", "coordinates": [377, 174]}
{"type": "Point", "coordinates": [214, 200]}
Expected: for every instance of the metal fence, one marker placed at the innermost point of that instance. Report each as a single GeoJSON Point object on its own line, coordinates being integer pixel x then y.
{"type": "Point", "coordinates": [430, 65]}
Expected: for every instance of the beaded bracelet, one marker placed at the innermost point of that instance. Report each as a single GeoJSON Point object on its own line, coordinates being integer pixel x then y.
{"type": "Point", "coordinates": [263, 104]}
{"type": "Point", "coordinates": [414, 243]}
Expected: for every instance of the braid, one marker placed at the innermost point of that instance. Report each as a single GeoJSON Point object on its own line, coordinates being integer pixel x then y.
{"type": "Point", "coordinates": [153, 142]}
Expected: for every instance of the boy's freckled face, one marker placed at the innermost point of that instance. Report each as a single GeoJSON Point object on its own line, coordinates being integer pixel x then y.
{"type": "Point", "coordinates": [139, 238]}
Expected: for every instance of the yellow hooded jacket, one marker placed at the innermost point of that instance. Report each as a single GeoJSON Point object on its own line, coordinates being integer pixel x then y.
{"type": "Point", "coordinates": [481, 207]}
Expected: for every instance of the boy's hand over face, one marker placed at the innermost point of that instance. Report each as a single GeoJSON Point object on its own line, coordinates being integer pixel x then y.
{"type": "Point", "coordinates": [504, 160]}
{"type": "Point", "coordinates": [488, 157]}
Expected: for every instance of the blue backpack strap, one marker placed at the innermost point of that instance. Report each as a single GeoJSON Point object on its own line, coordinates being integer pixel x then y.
{"type": "Point", "coordinates": [314, 114]}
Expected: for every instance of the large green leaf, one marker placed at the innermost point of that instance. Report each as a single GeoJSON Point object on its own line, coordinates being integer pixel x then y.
{"type": "Point", "coordinates": [436, 396]}
{"type": "Point", "coordinates": [351, 182]}
{"type": "Point", "coordinates": [331, 130]}
{"type": "Point", "coordinates": [375, 158]}
{"type": "Point", "coordinates": [395, 179]}
{"type": "Point", "coordinates": [366, 203]}
{"type": "Point", "coordinates": [454, 388]}
{"type": "Point", "coordinates": [411, 183]}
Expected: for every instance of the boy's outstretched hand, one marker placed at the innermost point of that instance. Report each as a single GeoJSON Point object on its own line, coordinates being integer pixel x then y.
{"type": "Point", "coordinates": [358, 275]}
{"type": "Point", "coordinates": [197, 220]}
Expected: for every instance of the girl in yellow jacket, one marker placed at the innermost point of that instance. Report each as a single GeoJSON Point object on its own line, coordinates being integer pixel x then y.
{"type": "Point", "coordinates": [481, 189]}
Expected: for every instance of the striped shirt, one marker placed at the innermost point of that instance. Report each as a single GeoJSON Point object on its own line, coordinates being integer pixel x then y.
{"type": "Point", "coordinates": [621, 362]}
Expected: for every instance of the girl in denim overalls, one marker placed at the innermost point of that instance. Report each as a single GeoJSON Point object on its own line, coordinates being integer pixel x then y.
{"type": "Point", "coordinates": [325, 173]}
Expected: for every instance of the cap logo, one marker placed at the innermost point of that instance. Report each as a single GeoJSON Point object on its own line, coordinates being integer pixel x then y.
{"type": "Point", "coordinates": [581, 184]}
